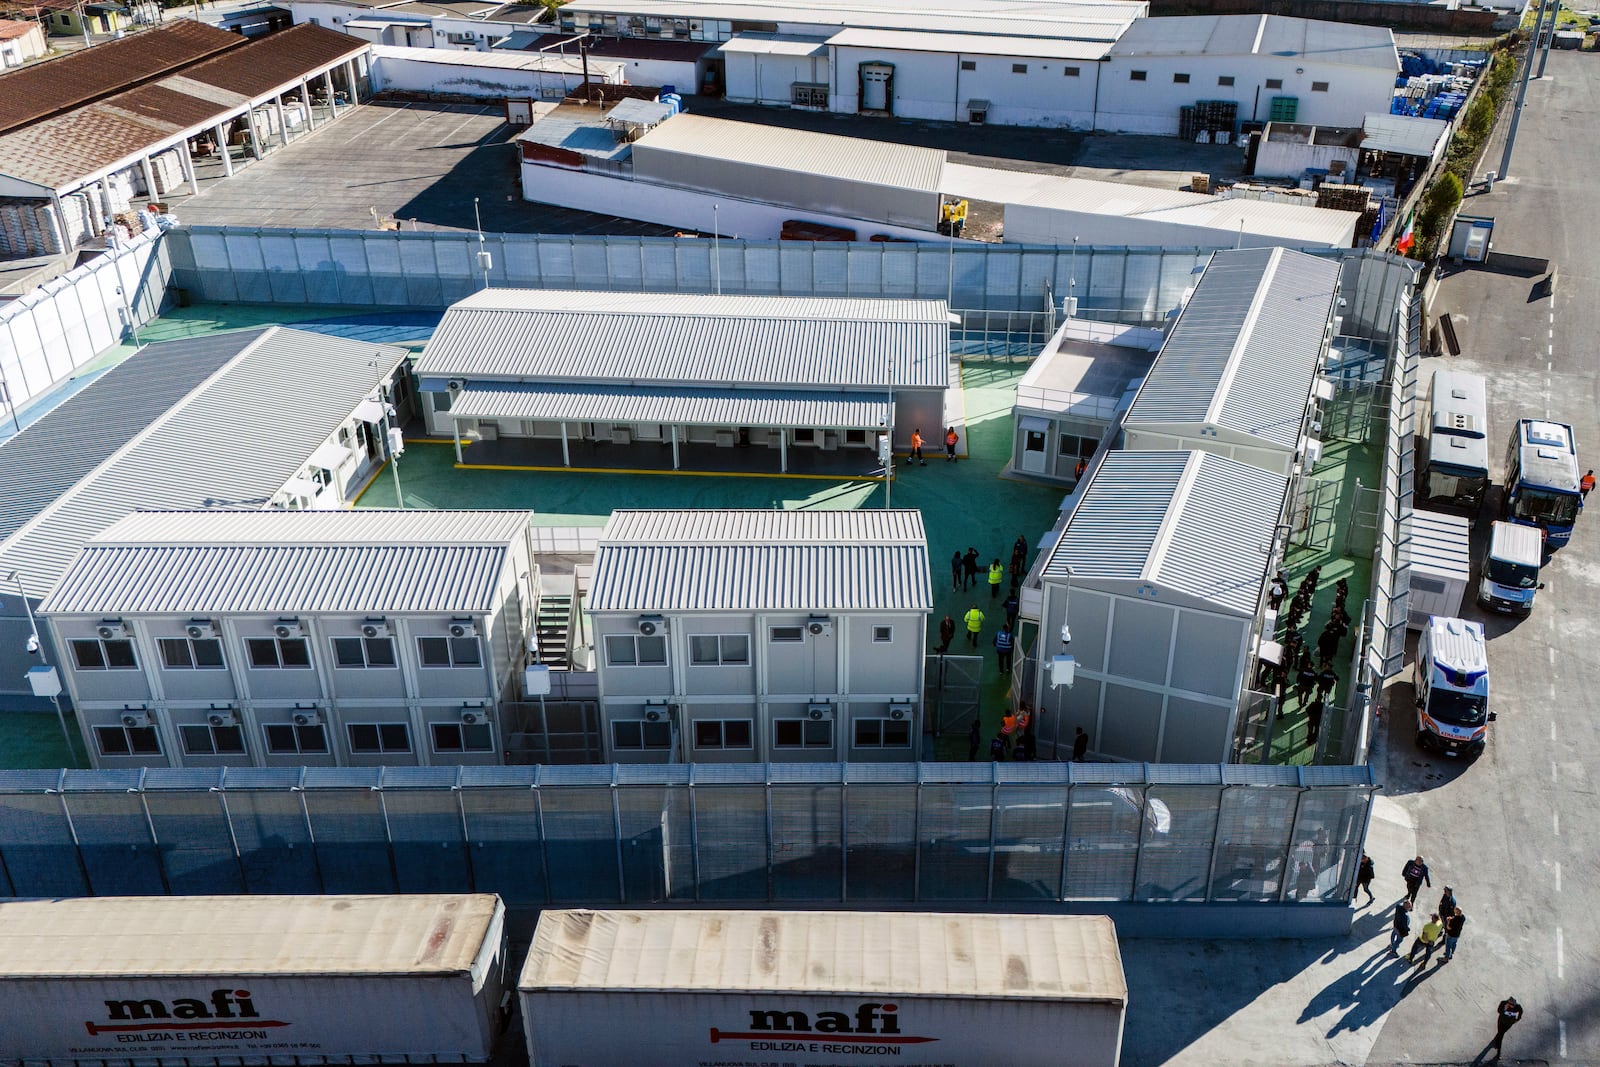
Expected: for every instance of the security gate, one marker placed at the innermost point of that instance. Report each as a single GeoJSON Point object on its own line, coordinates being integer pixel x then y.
{"type": "Point", "coordinates": [952, 688]}
{"type": "Point", "coordinates": [1315, 513]}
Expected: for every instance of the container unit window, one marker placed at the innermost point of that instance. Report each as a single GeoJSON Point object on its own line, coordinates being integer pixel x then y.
{"type": "Point", "coordinates": [1274, 83]}
{"type": "Point", "coordinates": [1225, 80]}
{"type": "Point", "coordinates": [719, 650]}
{"type": "Point", "coordinates": [449, 652]}
{"type": "Point", "coordinates": [273, 653]}
{"type": "Point", "coordinates": [802, 733]}
{"type": "Point", "coordinates": [636, 735]}
{"type": "Point", "coordinates": [203, 739]}
{"type": "Point", "coordinates": [786, 635]}
{"type": "Point", "coordinates": [1075, 447]}
{"type": "Point", "coordinates": [1180, 79]}
{"type": "Point", "coordinates": [1070, 72]}
{"type": "Point", "coordinates": [289, 739]}
{"type": "Point", "coordinates": [1138, 75]}
{"type": "Point", "coordinates": [93, 654]}
{"type": "Point", "coordinates": [1319, 87]}
{"type": "Point", "coordinates": [635, 650]}
{"type": "Point", "coordinates": [723, 734]}
{"type": "Point", "coordinates": [356, 653]}
{"type": "Point", "coordinates": [127, 740]}
{"type": "Point", "coordinates": [370, 738]}
{"type": "Point", "coordinates": [1019, 68]}
{"type": "Point", "coordinates": [189, 654]}
{"type": "Point", "coordinates": [969, 64]}
{"type": "Point", "coordinates": [883, 733]}
{"type": "Point", "coordinates": [462, 737]}
{"type": "Point", "coordinates": [883, 635]}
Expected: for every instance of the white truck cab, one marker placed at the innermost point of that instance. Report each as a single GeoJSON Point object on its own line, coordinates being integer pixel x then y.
{"type": "Point", "coordinates": [1511, 568]}
{"type": "Point", "coordinates": [1452, 684]}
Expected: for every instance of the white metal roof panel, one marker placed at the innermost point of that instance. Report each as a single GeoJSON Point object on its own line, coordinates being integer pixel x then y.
{"type": "Point", "coordinates": [673, 339]}
{"type": "Point", "coordinates": [1191, 522]}
{"type": "Point", "coordinates": [231, 443]}
{"type": "Point", "coordinates": [824, 156]}
{"type": "Point", "coordinates": [758, 560]}
{"type": "Point", "coordinates": [1342, 43]}
{"type": "Point", "coordinates": [1406, 135]}
{"type": "Point", "coordinates": [1440, 544]}
{"type": "Point", "coordinates": [1245, 349]}
{"type": "Point", "coordinates": [977, 44]}
{"type": "Point", "coordinates": [1029, 18]}
{"type": "Point", "coordinates": [686, 407]}
{"type": "Point", "coordinates": [1009, 956]}
{"type": "Point", "coordinates": [774, 44]}
{"type": "Point", "coordinates": [159, 937]}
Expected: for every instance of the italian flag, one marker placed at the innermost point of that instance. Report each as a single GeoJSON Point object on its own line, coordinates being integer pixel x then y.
{"type": "Point", "coordinates": [1408, 238]}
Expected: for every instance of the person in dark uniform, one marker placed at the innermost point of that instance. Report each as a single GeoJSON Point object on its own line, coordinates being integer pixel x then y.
{"type": "Point", "coordinates": [974, 740]}
{"type": "Point", "coordinates": [1507, 1014]}
{"type": "Point", "coordinates": [1080, 744]}
{"type": "Point", "coordinates": [947, 633]}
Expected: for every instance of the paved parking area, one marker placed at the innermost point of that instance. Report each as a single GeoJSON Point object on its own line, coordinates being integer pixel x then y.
{"type": "Point", "coordinates": [422, 164]}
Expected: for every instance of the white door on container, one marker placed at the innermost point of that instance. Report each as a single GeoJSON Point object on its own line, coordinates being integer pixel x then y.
{"type": "Point", "coordinates": [1033, 451]}
{"type": "Point", "coordinates": [875, 79]}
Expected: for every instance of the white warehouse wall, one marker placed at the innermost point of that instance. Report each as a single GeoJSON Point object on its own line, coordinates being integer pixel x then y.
{"type": "Point", "coordinates": [758, 79]}
{"type": "Point", "coordinates": [391, 69]}
{"type": "Point", "coordinates": [929, 85]}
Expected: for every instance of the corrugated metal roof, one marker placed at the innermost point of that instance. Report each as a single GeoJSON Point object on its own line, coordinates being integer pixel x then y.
{"type": "Point", "coordinates": [290, 562]}
{"type": "Point", "coordinates": [974, 44]}
{"type": "Point", "coordinates": [1100, 20]}
{"type": "Point", "coordinates": [1341, 43]}
{"type": "Point", "coordinates": [684, 407]}
{"type": "Point", "coordinates": [51, 454]}
{"type": "Point", "coordinates": [233, 442]}
{"type": "Point", "coordinates": [714, 560]}
{"type": "Point", "coordinates": [677, 339]}
{"type": "Point", "coordinates": [158, 937]}
{"type": "Point", "coordinates": [39, 90]}
{"type": "Point", "coordinates": [824, 156]}
{"type": "Point", "coordinates": [1407, 135]}
{"type": "Point", "coordinates": [1245, 349]}
{"type": "Point", "coordinates": [1011, 957]}
{"type": "Point", "coordinates": [271, 62]}
{"type": "Point", "coordinates": [1440, 544]}
{"type": "Point", "coordinates": [774, 44]}
{"type": "Point", "coordinates": [1192, 522]}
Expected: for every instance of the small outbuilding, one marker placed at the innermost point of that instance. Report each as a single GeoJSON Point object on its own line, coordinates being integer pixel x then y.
{"type": "Point", "coordinates": [20, 41]}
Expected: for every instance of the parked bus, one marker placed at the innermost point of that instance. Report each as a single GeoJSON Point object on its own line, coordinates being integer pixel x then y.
{"type": "Point", "coordinates": [1542, 480]}
{"type": "Point", "coordinates": [1455, 458]}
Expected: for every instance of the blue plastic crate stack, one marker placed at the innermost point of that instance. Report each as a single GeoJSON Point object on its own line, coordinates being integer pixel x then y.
{"type": "Point", "coordinates": [1427, 88]}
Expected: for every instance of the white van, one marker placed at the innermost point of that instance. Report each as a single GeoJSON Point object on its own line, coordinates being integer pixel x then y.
{"type": "Point", "coordinates": [1452, 684]}
{"type": "Point", "coordinates": [1511, 568]}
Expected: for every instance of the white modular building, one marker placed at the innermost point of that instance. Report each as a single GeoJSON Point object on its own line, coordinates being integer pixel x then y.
{"type": "Point", "coordinates": [1158, 576]}
{"type": "Point", "coordinates": [1239, 372]}
{"type": "Point", "coordinates": [761, 636]}
{"type": "Point", "coordinates": [277, 638]}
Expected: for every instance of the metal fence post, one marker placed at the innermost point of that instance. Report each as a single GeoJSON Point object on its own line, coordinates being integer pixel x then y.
{"type": "Point", "coordinates": [616, 833]}
{"type": "Point", "coordinates": [544, 842]}
{"type": "Point", "coordinates": [694, 836]}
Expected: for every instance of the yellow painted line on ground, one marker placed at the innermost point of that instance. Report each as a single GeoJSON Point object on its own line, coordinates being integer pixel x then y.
{"type": "Point", "coordinates": [370, 480]}
{"type": "Point", "coordinates": [681, 473]}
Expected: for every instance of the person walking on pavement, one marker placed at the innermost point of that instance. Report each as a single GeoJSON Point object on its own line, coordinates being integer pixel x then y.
{"type": "Point", "coordinates": [1364, 876]}
{"type": "Point", "coordinates": [1004, 640]}
{"type": "Point", "coordinates": [1415, 873]}
{"type": "Point", "coordinates": [1506, 1015]}
{"type": "Point", "coordinates": [1080, 744]}
{"type": "Point", "coordinates": [1447, 902]}
{"type": "Point", "coordinates": [974, 621]}
{"type": "Point", "coordinates": [1454, 923]}
{"type": "Point", "coordinates": [1401, 927]}
{"type": "Point", "coordinates": [997, 748]}
{"type": "Point", "coordinates": [1019, 552]}
{"type": "Point", "coordinates": [969, 569]}
{"type": "Point", "coordinates": [1011, 607]}
{"type": "Point", "coordinates": [1314, 721]}
{"type": "Point", "coordinates": [916, 448]}
{"type": "Point", "coordinates": [1428, 939]}
{"type": "Point", "coordinates": [1585, 484]}
{"type": "Point", "coordinates": [1305, 680]}
{"type": "Point", "coordinates": [1327, 681]}
{"type": "Point", "coordinates": [956, 568]}
{"type": "Point", "coordinates": [974, 740]}
{"type": "Point", "coordinates": [951, 439]}
{"type": "Point", "coordinates": [947, 633]}
{"type": "Point", "coordinates": [997, 574]}
{"type": "Point", "coordinates": [1277, 591]}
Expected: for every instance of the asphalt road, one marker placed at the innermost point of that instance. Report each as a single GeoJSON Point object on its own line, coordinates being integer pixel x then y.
{"type": "Point", "coordinates": [1516, 834]}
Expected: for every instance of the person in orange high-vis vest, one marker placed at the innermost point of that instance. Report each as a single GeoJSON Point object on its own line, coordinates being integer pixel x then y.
{"type": "Point", "coordinates": [951, 439]}
{"type": "Point", "coordinates": [916, 449]}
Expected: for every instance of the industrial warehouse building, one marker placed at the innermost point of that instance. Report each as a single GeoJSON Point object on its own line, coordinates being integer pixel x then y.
{"type": "Point", "coordinates": [1239, 372]}
{"type": "Point", "coordinates": [1158, 574]}
{"type": "Point", "coordinates": [151, 116]}
{"type": "Point", "coordinates": [761, 636]}
{"type": "Point", "coordinates": [667, 381]}
{"type": "Point", "coordinates": [276, 638]}
{"type": "Point", "coordinates": [272, 418]}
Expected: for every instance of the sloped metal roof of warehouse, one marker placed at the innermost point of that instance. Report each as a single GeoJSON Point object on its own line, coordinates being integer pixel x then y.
{"type": "Point", "coordinates": [1344, 43]}
{"type": "Point", "coordinates": [1245, 349]}
{"type": "Point", "coordinates": [233, 442]}
{"type": "Point", "coordinates": [50, 455]}
{"type": "Point", "coordinates": [1096, 19]}
{"type": "Point", "coordinates": [229, 562]}
{"type": "Point", "coordinates": [672, 338]}
{"type": "Point", "coordinates": [689, 406]}
{"type": "Point", "coordinates": [1191, 522]}
{"type": "Point", "coordinates": [40, 90]}
{"type": "Point", "coordinates": [268, 62]}
{"type": "Point", "coordinates": [760, 560]}
{"type": "Point", "coordinates": [978, 44]}
{"type": "Point", "coordinates": [1406, 135]}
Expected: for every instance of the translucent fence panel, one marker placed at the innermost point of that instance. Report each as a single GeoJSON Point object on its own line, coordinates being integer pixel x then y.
{"type": "Point", "coordinates": [880, 842]}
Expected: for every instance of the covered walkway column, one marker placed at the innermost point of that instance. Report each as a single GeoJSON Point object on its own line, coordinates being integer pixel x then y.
{"type": "Point", "coordinates": [455, 428]}
{"type": "Point", "coordinates": [60, 222]}
{"type": "Point", "coordinates": [350, 80]}
{"type": "Point", "coordinates": [255, 137]}
{"type": "Point", "coordinates": [218, 132]}
{"type": "Point", "coordinates": [186, 164]}
{"type": "Point", "coordinates": [327, 83]}
{"type": "Point", "coordinates": [566, 455]}
{"type": "Point", "coordinates": [277, 111]}
{"type": "Point", "coordinates": [305, 95]}
{"type": "Point", "coordinates": [783, 451]}
{"type": "Point", "coordinates": [675, 446]}
{"type": "Point", "coordinates": [149, 177]}
{"type": "Point", "coordinates": [105, 198]}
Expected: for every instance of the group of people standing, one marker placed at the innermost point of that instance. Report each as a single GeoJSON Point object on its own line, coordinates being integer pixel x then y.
{"type": "Point", "coordinates": [965, 573]}
{"type": "Point", "coordinates": [1313, 681]}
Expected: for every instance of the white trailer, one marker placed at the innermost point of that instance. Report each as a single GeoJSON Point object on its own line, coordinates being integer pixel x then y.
{"type": "Point", "coordinates": [1441, 566]}
{"type": "Point", "coordinates": [250, 980]}
{"type": "Point", "coordinates": [681, 988]}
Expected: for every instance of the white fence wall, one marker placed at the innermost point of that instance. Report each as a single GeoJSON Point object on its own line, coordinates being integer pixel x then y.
{"type": "Point", "coordinates": [50, 332]}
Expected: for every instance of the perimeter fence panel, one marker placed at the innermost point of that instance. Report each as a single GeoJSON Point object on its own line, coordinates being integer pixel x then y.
{"type": "Point", "coordinates": [191, 831]}
{"type": "Point", "coordinates": [118, 853]}
{"type": "Point", "coordinates": [39, 853]}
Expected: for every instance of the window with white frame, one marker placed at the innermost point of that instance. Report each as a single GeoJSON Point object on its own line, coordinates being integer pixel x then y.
{"type": "Point", "coordinates": [371, 738]}
{"type": "Point", "coordinates": [94, 654]}
{"type": "Point", "coordinates": [723, 733]}
{"type": "Point", "coordinates": [637, 735]}
{"type": "Point", "coordinates": [802, 733]}
{"type": "Point", "coordinates": [355, 653]}
{"type": "Point", "coordinates": [882, 635]}
{"type": "Point", "coordinates": [462, 737]}
{"type": "Point", "coordinates": [719, 650]}
{"type": "Point", "coordinates": [203, 739]}
{"type": "Point", "coordinates": [191, 654]}
{"type": "Point", "coordinates": [286, 738]}
{"type": "Point", "coordinates": [271, 653]}
{"type": "Point", "coordinates": [127, 740]}
{"type": "Point", "coordinates": [635, 650]}
{"type": "Point", "coordinates": [883, 733]}
{"type": "Point", "coordinates": [449, 652]}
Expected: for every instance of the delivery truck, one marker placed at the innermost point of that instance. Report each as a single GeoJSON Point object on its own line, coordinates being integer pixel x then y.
{"type": "Point", "coordinates": [1511, 568]}
{"type": "Point", "coordinates": [202, 981]}
{"type": "Point", "coordinates": [822, 989]}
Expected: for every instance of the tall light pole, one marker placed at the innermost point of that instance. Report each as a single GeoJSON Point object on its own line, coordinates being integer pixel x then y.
{"type": "Point", "coordinates": [127, 314]}
{"type": "Point", "coordinates": [36, 645]}
{"type": "Point", "coordinates": [484, 259]}
{"type": "Point", "coordinates": [1522, 94]}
